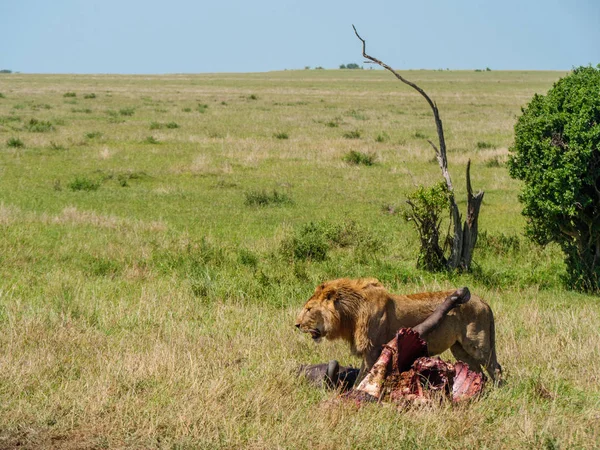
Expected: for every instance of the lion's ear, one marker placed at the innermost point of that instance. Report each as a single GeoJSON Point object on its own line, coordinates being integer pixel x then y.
{"type": "Point", "coordinates": [331, 295]}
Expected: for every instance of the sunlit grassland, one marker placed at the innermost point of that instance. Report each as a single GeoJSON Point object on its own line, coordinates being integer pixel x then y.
{"type": "Point", "coordinates": [145, 303]}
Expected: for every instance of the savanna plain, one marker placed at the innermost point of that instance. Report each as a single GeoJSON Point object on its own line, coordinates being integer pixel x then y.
{"type": "Point", "coordinates": [159, 234]}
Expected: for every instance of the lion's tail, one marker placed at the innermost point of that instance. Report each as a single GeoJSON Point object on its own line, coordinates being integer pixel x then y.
{"type": "Point", "coordinates": [493, 368]}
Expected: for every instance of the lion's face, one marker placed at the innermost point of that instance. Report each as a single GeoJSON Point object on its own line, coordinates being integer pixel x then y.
{"type": "Point", "coordinates": [319, 316]}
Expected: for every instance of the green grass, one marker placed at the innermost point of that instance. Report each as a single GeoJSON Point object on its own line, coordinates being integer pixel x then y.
{"type": "Point", "coordinates": [156, 310]}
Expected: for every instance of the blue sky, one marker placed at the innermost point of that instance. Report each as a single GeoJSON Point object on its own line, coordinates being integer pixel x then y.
{"type": "Point", "coordinates": [185, 36]}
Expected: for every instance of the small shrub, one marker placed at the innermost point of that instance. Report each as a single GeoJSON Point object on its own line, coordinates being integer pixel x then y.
{"type": "Point", "coordinates": [2, 95]}
{"type": "Point", "coordinates": [41, 106]}
{"type": "Point", "coordinates": [69, 94]}
{"type": "Point", "coordinates": [264, 198]}
{"type": "Point", "coordinates": [127, 111]}
{"type": "Point", "coordinates": [92, 95]}
{"type": "Point", "coordinates": [354, 134]}
{"type": "Point", "coordinates": [39, 126]}
{"type": "Point", "coordinates": [357, 115]}
{"type": "Point", "coordinates": [382, 137]}
{"type": "Point", "coordinates": [482, 145]}
{"type": "Point", "coordinates": [426, 209]}
{"type": "Point", "coordinates": [151, 140]}
{"type": "Point", "coordinates": [82, 183]}
{"type": "Point", "coordinates": [15, 143]}
{"type": "Point", "coordinates": [309, 242]}
{"type": "Point", "coordinates": [202, 107]}
{"type": "Point", "coordinates": [186, 109]}
{"type": "Point", "coordinates": [500, 243]}
{"type": "Point", "coordinates": [252, 97]}
{"type": "Point", "coordinates": [155, 125]}
{"type": "Point", "coordinates": [494, 162]}
{"type": "Point", "coordinates": [93, 135]}
{"type": "Point", "coordinates": [19, 106]}
{"type": "Point", "coordinates": [420, 135]}
{"type": "Point", "coordinates": [332, 124]}
{"type": "Point", "coordinates": [247, 258]}
{"type": "Point", "coordinates": [313, 240]}
{"type": "Point", "coordinates": [172, 125]}
{"type": "Point", "coordinates": [355, 157]}
{"type": "Point", "coordinates": [281, 136]}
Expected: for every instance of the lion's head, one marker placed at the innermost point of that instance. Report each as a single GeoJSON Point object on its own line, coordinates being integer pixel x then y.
{"type": "Point", "coordinates": [324, 313]}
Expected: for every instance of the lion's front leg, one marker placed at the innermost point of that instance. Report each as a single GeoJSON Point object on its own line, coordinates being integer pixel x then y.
{"type": "Point", "coordinates": [369, 359]}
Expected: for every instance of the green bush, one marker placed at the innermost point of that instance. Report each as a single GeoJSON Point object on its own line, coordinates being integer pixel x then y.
{"type": "Point", "coordinates": [39, 126]}
{"type": "Point", "coordinates": [427, 207]}
{"type": "Point", "coordinates": [127, 111]}
{"type": "Point", "coordinates": [81, 183]}
{"type": "Point", "coordinates": [358, 158]}
{"type": "Point", "coordinates": [264, 198]}
{"type": "Point", "coordinates": [69, 94]}
{"type": "Point", "coordinates": [354, 134]}
{"type": "Point", "coordinates": [15, 143]}
{"type": "Point", "coordinates": [314, 240]}
{"type": "Point", "coordinates": [92, 95]}
{"type": "Point", "coordinates": [556, 154]}
{"type": "Point", "coordinates": [281, 135]}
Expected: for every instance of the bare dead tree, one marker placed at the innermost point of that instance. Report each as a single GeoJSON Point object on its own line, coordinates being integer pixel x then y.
{"type": "Point", "coordinates": [465, 235]}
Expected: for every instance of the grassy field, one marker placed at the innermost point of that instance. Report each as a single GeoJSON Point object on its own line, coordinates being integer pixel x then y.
{"type": "Point", "coordinates": [151, 239]}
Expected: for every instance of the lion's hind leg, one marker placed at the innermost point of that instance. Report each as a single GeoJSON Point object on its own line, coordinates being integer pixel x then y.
{"type": "Point", "coordinates": [462, 355]}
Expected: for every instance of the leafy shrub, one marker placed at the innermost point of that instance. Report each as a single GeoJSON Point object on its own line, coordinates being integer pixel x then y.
{"type": "Point", "coordinates": [426, 209]}
{"type": "Point", "coordinates": [498, 243]}
{"type": "Point", "coordinates": [15, 143]}
{"type": "Point", "coordinates": [171, 125]}
{"type": "Point", "coordinates": [2, 95]}
{"type": "Point", "coordinates": [81, 110]}
{"type": "Point", "coordinates": [314, 240]}
{"type": "Point", "coordinates": [93, 134]}
{"type": "Point", "coordinates": [264, 198]}
{"type": "Point", "coordinates": [186, 109]}
{"type": "Point", "coordinates": [281, 136]}
{"type": "Point", "coordinates": [151, 140]}
{"type": "Point", "coordinates": [82, 183]}
{"type": "Point", "coordinates": [127, 111]}
{"type": "Point", "coordinates": [202, 108]}
{"type": "Point", "coordinates": [556, 154]}
{"type": "Point", "coordinates": [482, 145]}
{"type": "Point", "coordinates": [247, 258]}
{"type": "Point", "coordinates": [420, 135]}
{"type": "Point", "coordinates": [252, 97]}
{"type": "Point", "coordinates": [357, 115]}
{"type": "Point", "coordinates": [382, 137]}
{"type": "Point", "coordinates": [39, 126]}
{"type": "Point", "coordinates": [309, 242]}
{"type": "Point", "coordinates": [155, 125]}
{"type": "Point", "coordinates": [354, 134]}
{"type": "Point", "coordinates": [69, 94]}
{"type": "Point", "coordinates": [358, 158]}
{"type": "Point", "coordinates": [92, 95]}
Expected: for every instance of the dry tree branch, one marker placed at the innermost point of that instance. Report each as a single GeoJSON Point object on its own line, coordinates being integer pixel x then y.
{"type": "Point", "coordinates": [464, 238]}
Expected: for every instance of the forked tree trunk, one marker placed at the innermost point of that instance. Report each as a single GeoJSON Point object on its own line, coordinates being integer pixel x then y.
{"type": "Point", "coordinates": [465, 235]}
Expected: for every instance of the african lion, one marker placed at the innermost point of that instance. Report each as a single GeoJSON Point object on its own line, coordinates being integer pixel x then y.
{"type": "Point", "coordinates": [363, 313]}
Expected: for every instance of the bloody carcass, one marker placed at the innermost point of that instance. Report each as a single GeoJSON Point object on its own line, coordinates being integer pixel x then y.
{"type": "Point", "coordinates": [404, 373]}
